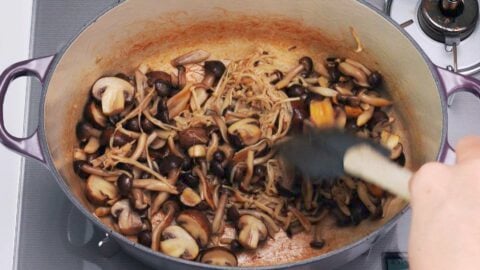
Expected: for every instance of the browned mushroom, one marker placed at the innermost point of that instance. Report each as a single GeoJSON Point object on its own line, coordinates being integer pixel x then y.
{"type": "Point", "coordinates": [190, 198]}
{"type": "Point", "coordinates": [169, 209]}
{"type": "Point", "coordinates": [195, 223]}
{"type": "Point", "coordinates": [129, 222]}
{"type": "Point", "coordinates": [252, 231]}
{"type": "Point", "coordinates": [219, 256]}
{"type": "Point", "coordinates": [219, 213]}
{"type": "Point", "coordinates": [113, 92]}
{"type": "Point", "coordinates": [95, 115]}
{"type": "Point", "coordinates": [100, 191]}
{"type": "Point", "coordinates": [177, 242]}
{"type": "Point", "coordinates": [140, 198]}
{"type": "Point", "coordinates": [192, 136]}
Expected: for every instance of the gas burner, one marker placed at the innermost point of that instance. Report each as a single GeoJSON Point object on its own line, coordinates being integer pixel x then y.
{"type": "Point", "coordinates": [445, 29]}
{"type": "Point", "coordinates": [448, 19]}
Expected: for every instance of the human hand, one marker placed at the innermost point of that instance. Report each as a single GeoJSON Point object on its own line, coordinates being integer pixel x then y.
{"type": "Point", "coordinates": [445, 200]}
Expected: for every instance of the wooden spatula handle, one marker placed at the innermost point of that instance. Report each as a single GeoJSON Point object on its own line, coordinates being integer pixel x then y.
{"type": "Point", "coordinates": [366, 163]}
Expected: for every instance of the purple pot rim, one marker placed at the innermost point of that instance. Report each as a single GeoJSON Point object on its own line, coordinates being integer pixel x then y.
{"type": "Point", "coordinates": [123, 240]}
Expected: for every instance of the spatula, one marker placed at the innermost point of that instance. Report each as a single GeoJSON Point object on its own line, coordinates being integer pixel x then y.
{"type": "Point", "coordinates": [326, 154]}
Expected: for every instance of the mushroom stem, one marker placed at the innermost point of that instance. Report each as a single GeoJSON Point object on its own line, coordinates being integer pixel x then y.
{"type": "Point", "coordinates": [140, 147]}
{"type": "Point", "coordinates": [218, 219]}
{"type": "Point", "coordinates": [170, 208]}
{"type": "Point", "coordinates": [289, 76]}
{"type": "Point", "coordinates": [205, 188]}
{"type": "Point", "coordinates": [192, 57]}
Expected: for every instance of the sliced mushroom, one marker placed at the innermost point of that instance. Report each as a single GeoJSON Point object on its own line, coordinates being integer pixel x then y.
{"type": "Point", "coordinates": [219, 256]}
{"type": "Point", "coordinates": [129, 222]}
{"type": "Point", "coordinates": [113, 92]}
{"type": "Point", "coordinates": [272, 227]}
{"type": "Point", "coordinates": [252, 231]}
{"type": "Point", "coordinates": [192, 57]}
{"type": "Point", "coordinates": [100, 191]}
{"type": "Point", "coordinates": [189, 197]}
{"type": "Point", "coordinates": [177, 242]}
{"type": "Point", "coordinates": [192, 136]}
{"type": "Point", "coordinates": [92, 145]}
{"type": "Point", "coordinates": [197, 151]}
{"type": "Point", "coordinates": [247, 130]}
{"type": "Point", "coordinates": [195, 223]}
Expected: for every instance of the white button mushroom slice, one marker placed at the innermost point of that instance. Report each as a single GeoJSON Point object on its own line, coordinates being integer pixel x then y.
{"type": "Point", "coordinates": [197, 224]}
{"type": "Point", "coordinates": [113, 92]}
{"type": "Point", "coordinates": [129, 222]}
{"type": "Point", "coordinates": [177, 242]}
{"type": "Point", "coordinates": [99, 191]}
{"type": "Point", "coordinates": [252, 231]}
{"type": "Point", "coordinates": [197, 151]}
{"type": "Point", "coordinates": [219, 256]}
{"type": "Point", "coordinates": [189, 197]}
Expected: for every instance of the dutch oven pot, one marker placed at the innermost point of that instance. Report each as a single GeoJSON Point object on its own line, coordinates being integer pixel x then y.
{"type": "Point", "coordinates": [127, 34]}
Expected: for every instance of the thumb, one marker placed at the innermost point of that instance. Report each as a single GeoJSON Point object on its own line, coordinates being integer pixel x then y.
{"type": "Point", "coordinates": [468, 148]}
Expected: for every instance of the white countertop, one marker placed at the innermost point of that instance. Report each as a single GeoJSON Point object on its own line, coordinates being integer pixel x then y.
{"type": "Point", "coordinates": [15, 23]}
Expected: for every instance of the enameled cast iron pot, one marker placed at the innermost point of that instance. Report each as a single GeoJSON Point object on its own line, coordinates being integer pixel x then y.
{"type": "Point", "coordinates": [137, 30]}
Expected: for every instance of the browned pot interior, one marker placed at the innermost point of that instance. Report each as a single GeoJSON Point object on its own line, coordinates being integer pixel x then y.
{"type": "Point", "coordinates": [152, 32]}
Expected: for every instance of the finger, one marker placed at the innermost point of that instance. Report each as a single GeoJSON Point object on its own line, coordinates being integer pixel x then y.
{"type": "Point", "coordinates": [468, 148]}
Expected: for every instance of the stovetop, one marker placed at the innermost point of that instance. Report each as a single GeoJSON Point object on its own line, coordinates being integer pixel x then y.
{"type": "Point", "coordinates": [52, 234]}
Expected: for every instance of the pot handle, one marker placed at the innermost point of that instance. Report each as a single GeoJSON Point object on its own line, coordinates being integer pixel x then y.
{"type": "Point", "coordinates": [29, 146]}
{"type": "Point", "coordinates": [454, 83]}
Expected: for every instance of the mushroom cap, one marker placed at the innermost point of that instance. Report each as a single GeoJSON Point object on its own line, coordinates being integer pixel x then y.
{"type": "Point", "coordinates": [102, 84]}
{"type": "Point", "coordinates": [99, 191]}
{"type": "Point", "coordinates": [214, 67]}
{"type": "Point", "coordinates": [218, 256]}
{"type": "Point", "coordinates": [113, 92]}
{"type": "Point", "coordinates": [197, 224]}
{"type": "Point", "coordinates": [177, 242]}
{"type": "Point", "coordinates": [252, 230]}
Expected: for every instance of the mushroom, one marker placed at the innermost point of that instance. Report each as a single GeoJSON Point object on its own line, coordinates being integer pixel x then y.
{"type": "Point", "coordinates": [177, 242]}
{"type": "Point", "coordinates": [100, 191]}
{"type": "Point", "coordinates": [84, 131]}
{"type": "Point", "coordinates": [358, 75]}
{"type": "Point", "coordinates": [301, 218]}
{"type": "Point", "coordinates": [192, 57]}
{"type": "Point", "coordinates": [189, 197]}
{"type": "Point", "coordinates": [113, 92]}
{"type": "Point", "coordinates": [140, 199]}
{"type": "Point", "coordinates": [169, 208]}
{"type": "Point", "coordinates": [365, 116]}
{"type": "Point", "coordinates": [154, 185]}
{"type": "Point", "coordinates": [372, 98]}
{"type": "Point", "coordinates": [213, 72]}
{"type": "Point", "coordinates": [317, 242]}
{"type": "Point", "coordinates": [396, 151]}
{"type": "Point", "coordinates": [305, 64]}
{"type": "Point", "coordinates": [362, 191]}
{"type": "Point", "coordinates": [323, 91]}
{"type": "Point", "coordinates": [219, 256]}
{"type": "Point", "coordinates": [92, 145]}
{"type": "Point", "coordinates": [192, 136]}
{"type": "Point", "coordinates": [247, 130]}
{"type": "Point", "coordinates": [195, 223]}
{"type": "Point", "coordinates": [129, 222]}
{"type": "Point", "coordinates": [219, 213]}
{"type": "Point", "coordinates": [95, 115]}
{"type": "Point", "coordinates": [197, 151]}
{"type": "Point", "coordinates": [252, 231]}
{"type": "Point", "coordinates": [272, 227]}
{"type": "Point", "coordinates": [205, 187]}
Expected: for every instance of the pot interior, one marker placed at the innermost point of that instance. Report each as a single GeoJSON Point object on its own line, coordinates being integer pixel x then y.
{"type": "Point", "coordinates": [146, 31]}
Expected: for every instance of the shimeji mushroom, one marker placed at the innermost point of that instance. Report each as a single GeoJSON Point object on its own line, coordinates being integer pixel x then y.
{"type": "Point", "coordinates": [113, 92]}
{"type": "Point", "coordinates": [219, 256]}
{"type": "Point", "coordinates": [129, 222]}
{"type": "Point", "coordinates": [305, 64]}
{"type": "Point", "coordinates": [177, 242]}
{"type": "Point", "coordinates": [252, 231]}
{"type": "Point", "coordinates": [196, 223]}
